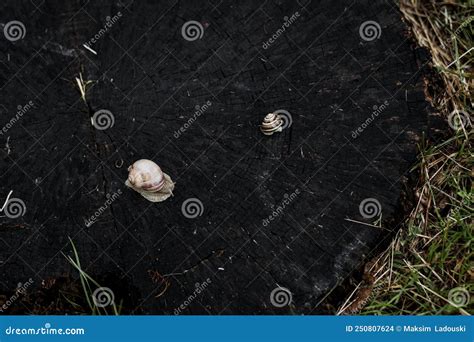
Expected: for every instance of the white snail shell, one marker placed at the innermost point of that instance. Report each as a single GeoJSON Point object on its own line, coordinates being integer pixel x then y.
{"type": "Point", "coordinates": [271, 123]}
{"type": "Point", "coordinates": [146, 177]}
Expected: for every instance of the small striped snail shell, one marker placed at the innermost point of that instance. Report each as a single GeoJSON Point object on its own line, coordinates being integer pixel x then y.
{"type": "Point", "coordinates": [146, 178]}
{"type": "Point", "coordinates": [271, 123]}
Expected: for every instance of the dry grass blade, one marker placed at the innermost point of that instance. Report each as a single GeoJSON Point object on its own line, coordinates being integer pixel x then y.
{"type": "Point", "coordinates": [431, 256]}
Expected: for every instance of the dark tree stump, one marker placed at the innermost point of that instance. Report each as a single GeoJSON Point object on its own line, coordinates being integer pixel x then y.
{"type": "Point", "coordinates": [151, 79]}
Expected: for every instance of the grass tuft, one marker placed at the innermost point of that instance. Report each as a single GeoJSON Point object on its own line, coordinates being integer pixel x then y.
{"type": "Point", "coordinates": [428, 268]}
{"type": "Point", "coordinates": [88, 286]}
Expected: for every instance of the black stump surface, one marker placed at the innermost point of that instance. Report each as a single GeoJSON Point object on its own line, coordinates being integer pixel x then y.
{"type": "Point", "coordinates": [311, 178]}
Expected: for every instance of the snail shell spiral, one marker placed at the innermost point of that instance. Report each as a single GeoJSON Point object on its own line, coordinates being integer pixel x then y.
{"type": "Point", "coordinates": [271, 123]}
{"type": "Point", "coordinates": [146, 178]}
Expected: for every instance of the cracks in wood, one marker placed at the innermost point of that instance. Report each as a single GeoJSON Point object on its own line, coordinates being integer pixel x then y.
{"type": "Point", "coordinates": [82, 86]}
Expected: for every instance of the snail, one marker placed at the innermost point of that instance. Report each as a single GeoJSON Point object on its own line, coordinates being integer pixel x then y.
{"type": "Point", "coordinates": [146, 177]}
{"type": "Point", "coordinates": [271, 123]}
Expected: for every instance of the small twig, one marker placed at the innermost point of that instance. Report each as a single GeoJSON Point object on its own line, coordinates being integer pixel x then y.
{"type": "Point", "coordinates": [7, 146]}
